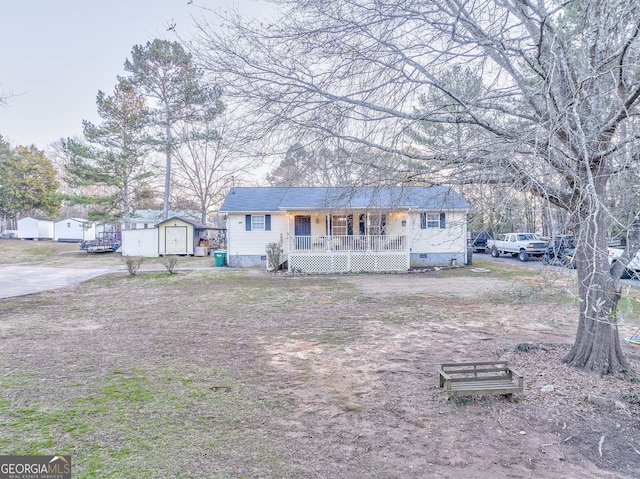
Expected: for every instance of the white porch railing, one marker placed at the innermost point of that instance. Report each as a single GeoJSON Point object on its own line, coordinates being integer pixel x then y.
{"type": "Point", "coordinates": [319, 244]}
{"type": "Point", "coordinates": [341, 254]}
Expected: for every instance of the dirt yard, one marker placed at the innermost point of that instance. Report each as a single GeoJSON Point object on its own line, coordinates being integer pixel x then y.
{"type": "Point", "coordinates": [242, 374]}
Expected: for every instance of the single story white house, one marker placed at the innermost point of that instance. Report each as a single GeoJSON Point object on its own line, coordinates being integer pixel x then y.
{"type": "Point", "coordinates": [74, 230]}
{"type": "Point", "coordinates": [35, 228]}
{"type": "Point", "coordinates": [144, 219]}
{"type": "Point", "coordinates": [331, 229]}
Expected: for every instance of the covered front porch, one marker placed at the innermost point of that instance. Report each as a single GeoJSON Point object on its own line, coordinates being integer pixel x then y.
{"type": "Point", "coordinates": [346, 253]}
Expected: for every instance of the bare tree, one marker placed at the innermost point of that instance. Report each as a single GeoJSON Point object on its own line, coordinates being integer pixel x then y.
{"type": "Point", "coordinates": [560, 84]}
{"type": "Point", "coordinates": [5, 97]}
{"type": "Point", "coordinates": [208, 160]}
{"type": "Point", "coordinates": [330, 164]}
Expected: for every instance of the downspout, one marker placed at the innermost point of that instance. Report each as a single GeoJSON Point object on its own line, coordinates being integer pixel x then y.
{"type": "Point", "coordinates": [227, 223]}
{"type": "Point", "coordinates": [467, 250]}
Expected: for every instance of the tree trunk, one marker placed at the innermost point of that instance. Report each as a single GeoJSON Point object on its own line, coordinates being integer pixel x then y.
{"type": "Point", "coordinates": [127, 204]}
{"type": "Point", "coordinates": [203, 213]}
{"type": "Point", "coordinates": [597, 344]}
{"type": "Point", "coordinates": [167, 174]}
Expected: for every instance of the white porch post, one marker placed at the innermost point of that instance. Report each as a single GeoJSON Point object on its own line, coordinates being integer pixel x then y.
{"type": "Point", "coordinates": [408, 236]}
{"type": "Point", "coordinates": [288, 238]}
{"type": "Point", "coordinates": [327, 230]}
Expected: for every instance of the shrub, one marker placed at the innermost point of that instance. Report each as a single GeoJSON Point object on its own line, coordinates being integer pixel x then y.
{"type": "Point", "coordinates": [170, 263]}
{"type": "Point", "coordinates": [274, 256]}
{"type": "Point", "coordinates": [133, 264]}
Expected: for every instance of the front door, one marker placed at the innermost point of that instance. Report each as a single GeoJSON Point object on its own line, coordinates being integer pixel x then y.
{"type": "Point", "coordinates": [302, 230]}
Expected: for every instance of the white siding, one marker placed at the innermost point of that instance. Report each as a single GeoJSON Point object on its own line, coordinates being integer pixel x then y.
{"type": "Point", "coordinates": [452, 238]}
{"type": "Point", "coordinates": [140, 242]}
{"type": "Point", "coordinates": [394, 223]}
{"type": "Point", "coordinates": [242, 242]}
{"type": "Point", "coordinates": [74, 229]}
{"type": "Point", "coordinates": [319, 228]}
{"type": "Point", "coordinates": [45, 229]}
{"type": "Point", "coordinates": [32, 228]}
{"type": "Point", "coordinates": [28, 228]}
{"type": "Point", "coordinates": [90, 232]}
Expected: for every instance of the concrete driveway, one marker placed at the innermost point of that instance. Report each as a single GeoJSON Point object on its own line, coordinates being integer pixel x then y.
{"type": "Point", "coordinates": [21, 280]}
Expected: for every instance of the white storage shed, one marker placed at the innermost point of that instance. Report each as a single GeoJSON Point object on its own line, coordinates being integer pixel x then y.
{"type": "Point", "coordinates": [143, 242]}
{"type": "Point", "coordinates": [74, 230]}
{"type": "Point", "coordinates": [35, 228]}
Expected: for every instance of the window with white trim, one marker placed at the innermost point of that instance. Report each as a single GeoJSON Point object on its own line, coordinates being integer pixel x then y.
{"type": "Point", "coordinates": [257, 222]}
{"type": "Point", "coordinates": [432, 220]}
{"type": "Point", "coordinates": [339, 225]}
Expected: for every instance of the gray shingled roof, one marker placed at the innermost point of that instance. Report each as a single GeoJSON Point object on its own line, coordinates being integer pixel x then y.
{"type": "Point", "coordinates": [156, 215]}
{"type": "Point", "coordinates": [195, 224]}
{"type": "Point", "coordinates": [264, 199]}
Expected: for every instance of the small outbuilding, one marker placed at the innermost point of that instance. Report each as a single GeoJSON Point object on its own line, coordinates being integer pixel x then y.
{"type": "Point", "coordinates": [178, 236]}
{"type": "Point", "coordinates": [175, 236]}
{"type": "Point", "coordinates": [140, 242]}
{"type": "Point", "coordinates": [34, 228]}
{"type": "Point", "coordinates": [74, 230]}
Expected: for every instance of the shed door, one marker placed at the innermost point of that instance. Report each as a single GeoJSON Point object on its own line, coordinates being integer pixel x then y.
{"type": "Point", "coordinates": [175, 240]}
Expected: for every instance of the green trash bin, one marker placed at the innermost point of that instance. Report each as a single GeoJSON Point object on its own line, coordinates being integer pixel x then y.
{"type": "Point", "coordinates": [220, 257]}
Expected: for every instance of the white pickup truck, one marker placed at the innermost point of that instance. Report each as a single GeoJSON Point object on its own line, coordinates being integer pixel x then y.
{"type": "Point", "coordinates": [521, 245]}
{"type": "Point", "coordinates": [632, 271]}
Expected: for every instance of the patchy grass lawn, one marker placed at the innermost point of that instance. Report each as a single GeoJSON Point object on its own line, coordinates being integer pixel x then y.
{"type": "Point", "coordinates": [242, 374]}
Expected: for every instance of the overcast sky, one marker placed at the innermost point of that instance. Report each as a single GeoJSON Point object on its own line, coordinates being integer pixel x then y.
{"type": "Point", "coordinates": [56, 54]}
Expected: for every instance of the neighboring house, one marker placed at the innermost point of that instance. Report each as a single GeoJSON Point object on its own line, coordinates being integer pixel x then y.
{"type": "Point", "coordinates": [35, 228]}
{"type": "Point", "coordinates": [143, 219]}
{"type": "Point", "coordinates": [323, 229]}
{"type": "Point", "coordinates": [74, 230]}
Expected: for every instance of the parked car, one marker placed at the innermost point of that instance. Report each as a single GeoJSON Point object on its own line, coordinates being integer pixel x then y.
{"type": "Point", "coordinates": [560, 251]}
{"type": "Point", "coordinates": [478, 241]}
{"type": "Point", "coordinates": [632, 271]}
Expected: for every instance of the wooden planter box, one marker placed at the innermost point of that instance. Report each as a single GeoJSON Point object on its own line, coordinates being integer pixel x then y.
{"type": "Point", "coordinates": [480, 378]}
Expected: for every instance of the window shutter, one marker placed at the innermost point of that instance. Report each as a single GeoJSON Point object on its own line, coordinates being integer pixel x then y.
{"type": "Point", "coordinates": [442, 221]}
{"type": "Point", "coordinates": [267, 222]}
{"type": "Point", "coordinates": [247, 222]}
{"type": "Point", "coordinates": [423, 221]}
